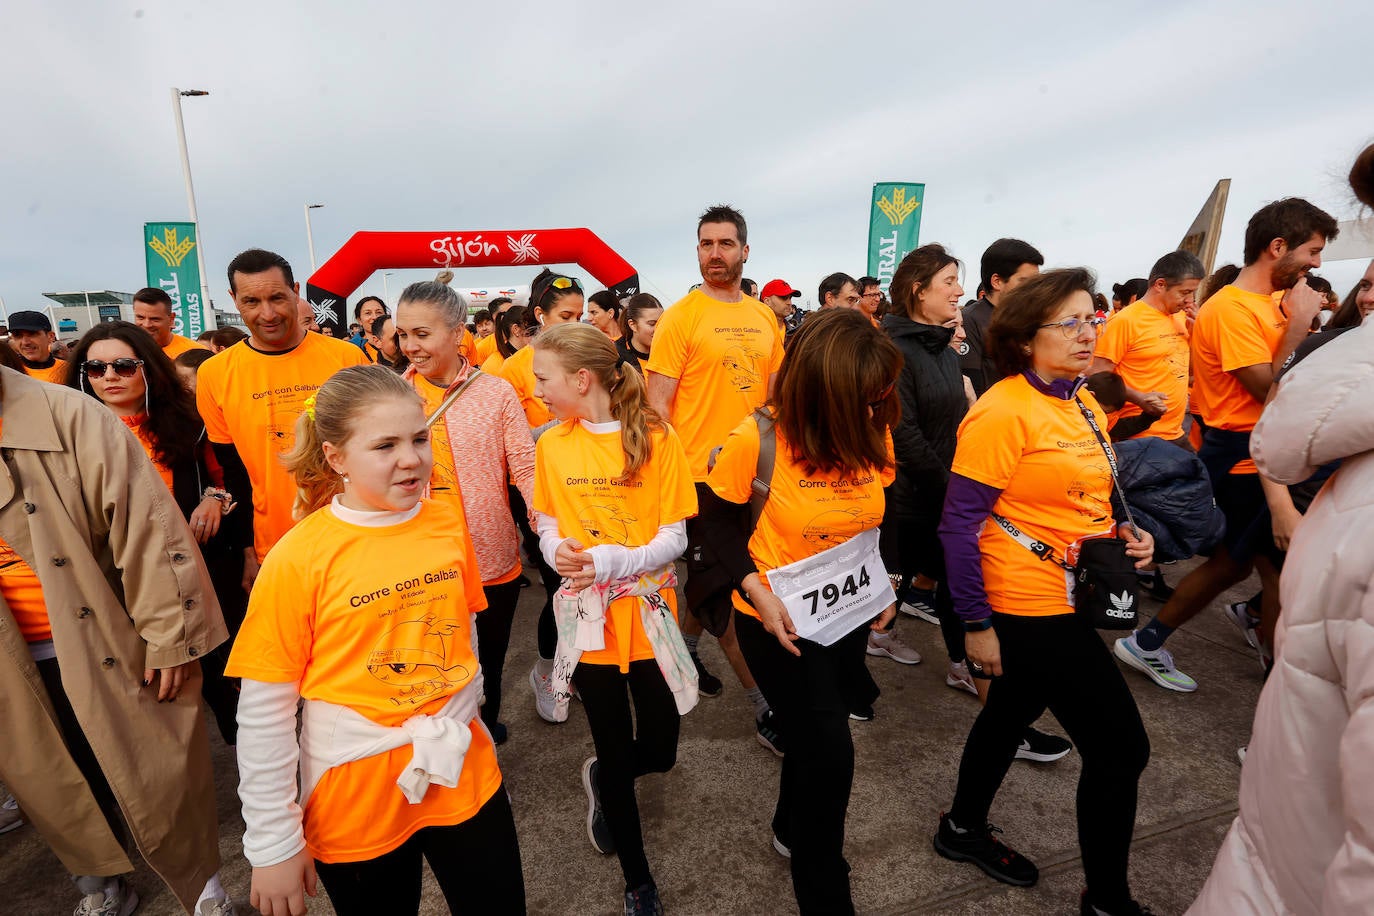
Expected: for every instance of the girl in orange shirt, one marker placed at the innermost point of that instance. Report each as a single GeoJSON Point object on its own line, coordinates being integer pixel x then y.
{"type": "Point", "coordinates": [364, 610]}
{"type": "Point", "coordinates": [120, 365]}
{"type": "Point", "coordinates": [612, 492]}
{"type": "Point", "coordinates": [833, 410]}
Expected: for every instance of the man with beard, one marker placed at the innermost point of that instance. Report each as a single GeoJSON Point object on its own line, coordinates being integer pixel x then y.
{"type": "Point", "coordinates": [1242, 336]}
{"type": "Point", "coordinates": [712, 364]}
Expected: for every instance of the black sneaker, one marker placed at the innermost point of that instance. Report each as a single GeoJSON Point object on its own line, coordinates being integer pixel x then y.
{"type": "Point", "coordinates": [1155, 586]}
{"type": "Point", "coordinates": [768, 733]}
{"type": "Point", "coordinates": [708, 685]}
{"type": "Point", "coordinates": [1086, 908]}
{"type": "Point", "coordinates": [862, 713]}
{"type": "Point", "coordinates": [598, 831]}
{"type": "Point", "coordinates": [643, 901]}
{"type": "Point", "coordinates": [1042, 748]}
{"type": "Point", "coordinates": [920, 602]}
{"type": "Point", "coordinates": [498, 732]}
{"type": "Point", "coordinates": [982, 848]}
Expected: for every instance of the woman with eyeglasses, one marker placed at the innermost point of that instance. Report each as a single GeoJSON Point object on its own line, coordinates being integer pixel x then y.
{"type": "Point", "coordinates": [554, 299]}
{"type": "Point", "coordinates": [120, 365]}
{"type": "Point", "coordinates": [1028, 456]}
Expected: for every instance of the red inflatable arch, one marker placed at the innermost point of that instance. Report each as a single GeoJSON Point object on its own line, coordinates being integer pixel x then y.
{"type": "Point", "coordinates": [364, 253]}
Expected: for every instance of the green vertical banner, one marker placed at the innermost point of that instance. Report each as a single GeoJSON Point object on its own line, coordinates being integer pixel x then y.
{"type": "Point", "coordinates": [172, 267]}
{"type": "Point", "coordinates": [894, 227]}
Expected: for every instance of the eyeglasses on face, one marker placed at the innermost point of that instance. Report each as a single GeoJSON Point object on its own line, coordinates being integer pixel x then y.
{"type": "Point", "coordinates": [124, 367]}
{"type": "Point", "coordinates": [1072, 327]}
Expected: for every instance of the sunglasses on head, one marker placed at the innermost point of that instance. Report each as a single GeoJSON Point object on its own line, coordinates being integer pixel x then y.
{"type": "Point", "coordinates": [556, 283]}
{"type": "Point", "coordinates": [124, 367]}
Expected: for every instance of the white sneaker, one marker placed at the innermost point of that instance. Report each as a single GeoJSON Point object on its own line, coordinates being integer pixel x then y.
{"type": "Point", "coordinates": [780, 849]}
{"type": "Point", "coordinates": [959, 678]}
{"type": "Point", "coordinates": [219, 907]}
{"type": "Point", "coordinates": [1240, 754]}
{"type": "Point", "coordinates": [888, 644]}
{"type": "Point", "coordinates": [1157, 665]}
{"type": "Point", "coordinates": [1239, 615]}
{"type": "Point", "coordinates": [118, 899]}
{"type": "Point", "coordinates": [10, 818]}
{"type": "Point", "coordinates": [543, 694]}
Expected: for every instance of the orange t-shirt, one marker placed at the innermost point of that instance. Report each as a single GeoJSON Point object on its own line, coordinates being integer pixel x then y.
{"type": "Point", "coordinates": [722, 354]}
{"type": "Point", "coordinates": [574, 470]}
{"type": "Point", "coordinates": [485, 346]}
{"type": "Point", "coordinates": [804, 514]}
{"type": "Point", "coordinates": [135, 425]}
{"type": "Point", "coordinates": [519, 371]}
{"type": "Point", "coordinates": [253, 400]}
{"type": "Point", "coordinates": [1033, 447]}
{"type": "Point", "coordinates": [56, 373]}
{"type": "Point", "coordinates": [378, 620]}
{"type": "Point", "coordinates": [1150, 350]}
{"type": "Point", "coordinates": [22, 591]}
{"type": "Point", "coordinates": [1234, 329]}
{"type": "Point", "coordinates": [180, 345]}
{"type": "Point", "coordinates": [467, 348]}
{"type": "Point", "coordinates": [493, 363]}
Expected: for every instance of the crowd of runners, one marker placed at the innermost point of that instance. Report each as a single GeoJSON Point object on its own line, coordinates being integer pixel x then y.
{"type": "Point", "coordinates": [325, 540]}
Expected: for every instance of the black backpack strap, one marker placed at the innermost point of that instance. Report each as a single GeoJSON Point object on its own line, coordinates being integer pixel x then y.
{"type": "Point", "coordinates": [763, 472]}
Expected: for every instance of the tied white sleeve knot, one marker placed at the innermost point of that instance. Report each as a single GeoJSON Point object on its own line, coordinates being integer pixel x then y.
{"type": "Point", "coordinates": [440, 745]}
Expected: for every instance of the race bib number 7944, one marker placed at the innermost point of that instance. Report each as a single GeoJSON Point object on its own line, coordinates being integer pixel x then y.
{"type": "Point", "coordinates": [832, 593]}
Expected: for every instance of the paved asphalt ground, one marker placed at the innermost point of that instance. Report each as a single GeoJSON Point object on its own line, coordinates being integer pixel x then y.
{"type": "Point", "coordinates": [706, 822]}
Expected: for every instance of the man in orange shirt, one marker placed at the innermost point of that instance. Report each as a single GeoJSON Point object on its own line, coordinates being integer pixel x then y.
{"type": "Point", "coordinates": [1242, 336]}
{"type": "Point", "coordinates": [1147, 345]}
{"type": "Point", "coordinates": [870, 297]}
{"type": "Point", "coordinates": [153, 313]}
{"type": "Point", "coordinates": [32, 338]}
{"type": "Point", "coordinates": [713, 360]}
{"type": "Point", "coordinates": [251, 395]}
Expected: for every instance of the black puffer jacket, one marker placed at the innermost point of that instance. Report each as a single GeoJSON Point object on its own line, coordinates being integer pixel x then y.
{"type": "Point", "coordinates": [1170, 496]}
{"type": "Point", "coordinates": [933, 404]}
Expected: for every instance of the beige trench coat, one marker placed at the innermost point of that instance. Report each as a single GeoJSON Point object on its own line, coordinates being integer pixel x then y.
{"type": "Point", "coordinates": [125, 588]}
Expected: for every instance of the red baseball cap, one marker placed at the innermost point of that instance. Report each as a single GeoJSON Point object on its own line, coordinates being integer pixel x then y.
{"type": "Point", "coordinates": [778, 288]}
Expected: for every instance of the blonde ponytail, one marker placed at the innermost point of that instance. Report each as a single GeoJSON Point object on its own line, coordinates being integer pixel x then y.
{"type": "Point", "coordinates": [579, 346]}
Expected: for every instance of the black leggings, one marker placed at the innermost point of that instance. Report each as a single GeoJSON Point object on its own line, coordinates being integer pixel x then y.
{"type": "Point", "coordinates": [493, 638]}
{"type": "Point", "coordinates": [911, 546]}
{"type": "Point", "coordinates": [811, 697]}
{"type": "Point", "coordinates": [627, 749]}
{"type": "Point", "coordinates": [547, 628]}
{"type": "Point", "coordinates": [477, 865]}
{"type": "Point", "coordinates": [1061, 663]}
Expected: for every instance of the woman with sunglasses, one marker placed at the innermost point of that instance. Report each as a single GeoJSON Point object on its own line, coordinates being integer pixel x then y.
{"type": "Point", "coordinates": [120, 365]}
{"type": "Point", "coordinates": [1028, 456]}
{"type": "Point", "coordinates": [834, 405]}
{"type": "Point", "coordinates": [554, 299]}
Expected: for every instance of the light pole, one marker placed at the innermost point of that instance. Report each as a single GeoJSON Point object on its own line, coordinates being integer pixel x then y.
{"type": "Point", "coordinates": [310, 236]}
{"type": "Point", "coordinates": [386, 290]}
{"type": "Point", "coordinates": [191, 202]}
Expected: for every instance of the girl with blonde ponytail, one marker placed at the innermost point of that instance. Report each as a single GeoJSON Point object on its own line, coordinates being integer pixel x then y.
{"type": "Point", "coordinates": [364, 610]}
{"type": "Point", "coordinates": [612, 493]}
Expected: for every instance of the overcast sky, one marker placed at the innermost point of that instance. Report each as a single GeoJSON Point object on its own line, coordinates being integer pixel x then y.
{"type": "Point", "coordinates": [1093, 130]}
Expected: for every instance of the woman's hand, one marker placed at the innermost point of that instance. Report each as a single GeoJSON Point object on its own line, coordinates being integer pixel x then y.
{"type": "Point", "coordinates": [169, 681]}
{"type": "Point", "coordinates": [884, 620]}
{"type": "Point", "coordinates": [1139, 543]}
{"type": "Point", "coordinates": [984, 652]}
{"type": "Point", "coordinates": [772, 612]}
{"type": "Point", "coordinates": [281, 889]}
{"type": "Point", "coordinates": [205, 520]}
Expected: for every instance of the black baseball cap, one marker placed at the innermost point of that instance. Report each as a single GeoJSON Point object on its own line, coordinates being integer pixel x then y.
{"type": "Point", "coordinates": [29, 321]}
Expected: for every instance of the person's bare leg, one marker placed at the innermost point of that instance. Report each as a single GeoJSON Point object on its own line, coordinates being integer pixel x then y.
{"type": "Point", "coordinates": [1201, 587]}
{"type": "Point", "coordinates": [729, 644]}
{"type": "Point", "coordinates": [691, 626]}
{"type": "Point", "coordinates": [1270, 605]}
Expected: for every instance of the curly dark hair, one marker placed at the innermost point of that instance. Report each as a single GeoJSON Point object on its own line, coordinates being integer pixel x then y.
{"type": "Point", "coordinates": [173, 424]}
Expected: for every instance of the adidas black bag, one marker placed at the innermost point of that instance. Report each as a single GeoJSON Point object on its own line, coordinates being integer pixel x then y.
{"type": "Point", "coordinates": [1106, 590]}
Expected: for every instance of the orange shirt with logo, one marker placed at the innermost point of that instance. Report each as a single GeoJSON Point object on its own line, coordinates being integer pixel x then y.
{"type": "Point", "coordinates": [1150, 350]}
{"type": "Point", "coordinates": [180, 345]}
{"type": "Point", "coordinates": [722, 354]}
{"type": "Point", "coordinates": [378, 620]}
{"type": "Point", "coordinates": [574, 482]}
{"type": "Point", "coordinates": [253, 399]}
{"type": "Point", "coordinates": [1034, 447]}
{"type": "Point", "coordinates": [518, 369]}
{"type": "Point", "coordinates": [805, 514]}
{"type": "Point", "coordinates": [1234, 329]}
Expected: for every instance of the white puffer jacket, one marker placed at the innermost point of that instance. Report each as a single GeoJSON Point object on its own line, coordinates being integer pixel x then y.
{"type": "Point", "coordinates": [1304, 840]}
